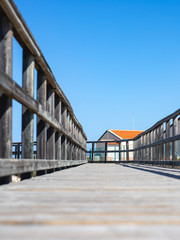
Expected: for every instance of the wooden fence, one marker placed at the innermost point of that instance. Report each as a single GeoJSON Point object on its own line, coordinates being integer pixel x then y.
{"type": "Point", "coordinates": [159, 145]}
{"type": "Point", "coordinates": [59, 135]}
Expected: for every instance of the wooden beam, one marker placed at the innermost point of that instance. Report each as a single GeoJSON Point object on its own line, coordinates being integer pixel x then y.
{"type": "Point", "coordinates": [28, 116]}
{"type": "Point", "coordinates": [15, 166]}
{"type": "Point", "coordinates": [41, 125]}
{"type": "Point", "coordinates": [12, 89]}
{"type": "Point", "coordinates": [167, 144]}
{"type": "Point", "coordinates": [57, 133]}
{"type": "Point", "coordinates": [63, 147]}
{"type": "Point", "coordinates": [175, 143]}
{"type": "Point", "coordinates": [50, 143]}
{"type": "Point", "coordinates": [161, 146]}
{"type": "Point", "coordinates": [5, 101]}
{"type": "Point", "coordinates": [119, 151]}
{"type": "Point", "coordinates": [127, 153]}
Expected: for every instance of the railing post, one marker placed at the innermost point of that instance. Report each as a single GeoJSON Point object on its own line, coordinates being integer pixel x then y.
{"type": "Point", "coordinates": [155, 147]}
{"type": "Point", "coordinates": [28, 116]}
{"type": "Point", "coordinates": [70, 150]}
{"type": "Point", "coordinates": [150, 149]}
{"type": "Point", "coordinates": [50, 131]}
{"type": "Point", "coordinates": [147, 148]}
{"type": "Point", "coordinates": [67, 148]}
{"type": "Point", "coordinates": [119, 151]}
{"type": "Point", "coordinates": [161, 147]}
{"type": "Point", "coordinates": [105, 152]}
{"type": "Point", "coordinates": [127, 149]}
{"type": "Point", "coordinates": [71, 143]}
{"type": "Point", "coordinates": [158, 146]}
{"type": "Point", "coordinates": [5, 101]}
{"type": "Point", "coordinates": [92, 152]}
{"type": "Point", "coordinates": [64, 148]}
{"type": "Point", "coordinates": [63, 137]}
{"type": "Point", "coordinates": [168, 144]}
{"type": "Point", "coordinates": [175, 143]}
{"type": "Point", "coordinates": [142, 151]}
{"type": "Point", "coordinates": [78, 152]}
{"type": "Point", "coordinates": [57, 134]}
{"type": "Point", "coordinates": [41, 125]}
{"type": "Point", "coordinates": [138, 151]}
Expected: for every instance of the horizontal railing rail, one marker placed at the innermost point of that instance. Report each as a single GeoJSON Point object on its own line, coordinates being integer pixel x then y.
{"type": "Point", "coordinates": [38, 165]}
{"type": "Point", "coordinates": [60, 136]}
{"type": "Point", "coordinates": [159, 145]}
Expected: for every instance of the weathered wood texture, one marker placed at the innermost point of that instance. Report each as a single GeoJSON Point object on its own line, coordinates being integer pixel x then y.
{"type": "Point", "coordinates": [5, 101]}
{"type": "Point", "coordinates": [14, 166]}
{"type": "Point", "coordinates": [47, 107]}
{"type": "Point", "coordinates": [51, 102]}
{"type": "Point", "coordinates": [24, 36]}
{"type": "Point", "coordinates": [15, 91]}
{"type": "Point", "coordinates": [93, 201]}
{"type": "Point", "coordinates": [28, 116]}
{"type": "Point", "coordinates": [50, 154]}
{"type": "Point", "coordinates": [41, 125]}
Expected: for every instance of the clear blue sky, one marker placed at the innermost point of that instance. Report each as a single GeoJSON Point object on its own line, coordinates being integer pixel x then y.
{"type": "Point", "coordinates": [110, 57]}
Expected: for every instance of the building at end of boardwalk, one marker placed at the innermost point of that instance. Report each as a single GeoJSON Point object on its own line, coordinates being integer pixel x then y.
{"type": "Point", "coordinates": [115, 135]}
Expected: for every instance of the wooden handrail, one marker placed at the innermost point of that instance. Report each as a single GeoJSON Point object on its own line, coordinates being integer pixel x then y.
{"type": "Point", "coordinates": [25, 38]}
{"type": "Point", "coordinates": [59, 134]}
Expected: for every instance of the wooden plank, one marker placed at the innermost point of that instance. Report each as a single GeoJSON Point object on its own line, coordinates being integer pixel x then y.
{"type": "Point", "coordinates": [93, 201]}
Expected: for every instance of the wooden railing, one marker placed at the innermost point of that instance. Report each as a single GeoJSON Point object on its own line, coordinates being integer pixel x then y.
{"type": "Point", "coordinates": [59, 134]}
{"type": "Point", "coordinates": [159, 145]}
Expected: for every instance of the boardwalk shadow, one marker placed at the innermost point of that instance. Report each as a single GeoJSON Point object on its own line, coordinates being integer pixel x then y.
{"type": "Point", "coordinates": [162, 172]}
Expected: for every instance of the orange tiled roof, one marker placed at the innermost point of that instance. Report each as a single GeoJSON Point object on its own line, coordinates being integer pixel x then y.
{"type": "Point", "coordinates": [126, 134]}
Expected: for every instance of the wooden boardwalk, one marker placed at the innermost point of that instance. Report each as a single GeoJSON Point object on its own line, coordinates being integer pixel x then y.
{"type": "Point", "coordinates": [93, 201]}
